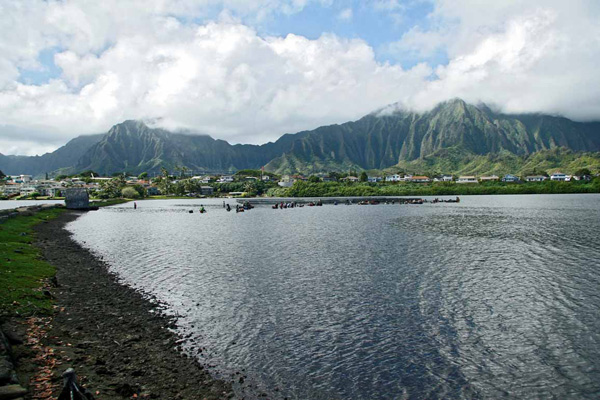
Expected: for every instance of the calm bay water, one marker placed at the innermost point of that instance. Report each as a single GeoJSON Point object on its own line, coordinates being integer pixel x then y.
{"type": "Point", "coordinates": [497, 296]}
{"type": "Point", "coordinates": [10, 204]}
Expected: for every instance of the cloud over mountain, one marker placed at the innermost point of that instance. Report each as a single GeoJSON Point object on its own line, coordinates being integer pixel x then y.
{"type": "Point", "coordinates": [204, 66]}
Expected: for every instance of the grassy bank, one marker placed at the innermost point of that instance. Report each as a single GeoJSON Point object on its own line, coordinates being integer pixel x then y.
{"type": "Point", "coordinates": [334, 189]}
{"type": "Point", "coordinates": [22, 272]}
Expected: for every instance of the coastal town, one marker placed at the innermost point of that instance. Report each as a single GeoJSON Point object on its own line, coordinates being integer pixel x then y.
{"type": "Point", "coordinates": [27, 186]}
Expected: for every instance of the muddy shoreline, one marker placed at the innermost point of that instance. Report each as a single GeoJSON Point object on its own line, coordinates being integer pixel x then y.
{"type": "Point", "coordinates": [115, 338]}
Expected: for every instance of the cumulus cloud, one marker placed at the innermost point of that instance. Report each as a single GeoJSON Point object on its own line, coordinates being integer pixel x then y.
{"type": "Point", "coordinates": [153, 59]}
{"type": "Point", "coordinates": [219, 78]}
{"type": "Point", "coordinates": [540, 56]}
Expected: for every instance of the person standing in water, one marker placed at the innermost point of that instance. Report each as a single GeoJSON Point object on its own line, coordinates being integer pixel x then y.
{"type": "Point", "coordinates": [134, 205]}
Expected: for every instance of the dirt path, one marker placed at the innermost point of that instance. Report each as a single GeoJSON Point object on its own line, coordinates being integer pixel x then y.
{"type": "Point", "coordinates": [109, 335]}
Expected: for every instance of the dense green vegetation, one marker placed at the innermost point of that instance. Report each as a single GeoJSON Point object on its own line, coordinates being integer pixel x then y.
{"type": "Point", "coordinates": [332, 189]}
{"type": "Point", "coordinates": [21, 270]}
{"type": "Point", "coordinates": [251, 188]}
{"type": "Point", "coordinates": [460, 162]}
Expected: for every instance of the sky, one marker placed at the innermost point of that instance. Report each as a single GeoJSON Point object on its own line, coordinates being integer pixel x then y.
{"type": "Point", "coordinates": [251, 71]}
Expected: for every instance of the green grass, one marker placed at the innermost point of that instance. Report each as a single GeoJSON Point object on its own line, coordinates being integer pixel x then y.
{"type": "Point", "coordinates": [22, 272]}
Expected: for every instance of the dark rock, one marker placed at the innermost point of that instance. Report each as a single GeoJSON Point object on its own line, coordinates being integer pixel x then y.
{"type": "Point", "coordinates": [102, 370]}
{"type": "Point", "coordinates": [7, 374]}
{"type": "Point", "coordinates": [13, 338]}
{"type": "Point", "coordinates": [12, 392]}
{"type": "Point", "coordinates": [126, 390]}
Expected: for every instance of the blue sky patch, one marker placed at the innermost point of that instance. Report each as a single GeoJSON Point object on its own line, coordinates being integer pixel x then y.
{"type": "Point", "coordinates": [47, 71]}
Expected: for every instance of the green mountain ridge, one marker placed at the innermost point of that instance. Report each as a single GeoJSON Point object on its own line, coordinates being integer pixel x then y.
{"type": "Point", "coordinates": [453, 137]}
{"type": "Point", "coordinates": [457, 161]}
{"type": "Point", "coordinates": [65, 156]}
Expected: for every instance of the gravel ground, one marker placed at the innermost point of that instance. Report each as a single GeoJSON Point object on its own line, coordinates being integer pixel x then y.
{"type": "Point", "coordinates": [108, 333]}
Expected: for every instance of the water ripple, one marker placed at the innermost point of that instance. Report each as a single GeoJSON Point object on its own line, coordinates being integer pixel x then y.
{"type": "Point", "coordinates": [495, 297]}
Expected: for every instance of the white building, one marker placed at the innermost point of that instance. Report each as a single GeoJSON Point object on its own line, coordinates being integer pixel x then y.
{"type": "Point", "coordinates": [535, 178]}
{"type": "Point", "coordinates": [559, 176]}
{"type": "Point", "coordinates": [467, 179]}
{"type": "Point", "coordinates": [10, 189]}
{"type": "Point", "coordinates": [226, 179]}
{"type": "Point", "coordinates": [490, 178]}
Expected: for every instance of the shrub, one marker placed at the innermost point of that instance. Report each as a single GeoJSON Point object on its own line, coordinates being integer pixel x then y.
{"type": "Point", "coordinates": [130, 193]}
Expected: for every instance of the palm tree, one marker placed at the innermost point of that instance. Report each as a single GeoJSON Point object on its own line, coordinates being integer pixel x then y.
{"type": "Point", "coordinates": [184, 170]}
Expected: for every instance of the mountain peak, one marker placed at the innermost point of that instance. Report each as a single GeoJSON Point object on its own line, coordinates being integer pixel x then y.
{"type": "Point", "coordinates": [377, 141]}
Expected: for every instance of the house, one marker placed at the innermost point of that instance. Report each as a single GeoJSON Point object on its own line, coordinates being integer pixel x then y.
{"type": "Point", "coordinates": [206, 190]}
{"type": "Point", "coordinates": [510, 178]}
{"type": "Point", "coordinates": [53, 191]}
{"type": "Point", "coordinates": [559, 176]}
{"type": "Point", "coordinates": [286, 181]}
{"type": "Point", "coordinates": [27, 190]}
{"type": "Point", "coordinates": [374, 179]}
{"type": "Point", "coordinates": [535, 178]}
{"type": "Point", "coordinates": [351, 179]}
{"type": "Point", "coordinates": [443, 178]}
{"type": "Point", "coordinates": [152, 191]}
{"type": "Point", "coordinates": [467, 179]}
{"type": "Point", "coordinates": [226, 179]}
{"type": "Point", "coordinates": [393, 178]}
{"type": "Point", "coordinates": [10, 189]}
{"type": "Point", "coordinates": [419, 179]}
{"type": "Point", "coordinates": [491, 178]}
{"type": "Point", "coordinates": [201, 179]}
{"type": "Point", "coordinates": [266, 178]}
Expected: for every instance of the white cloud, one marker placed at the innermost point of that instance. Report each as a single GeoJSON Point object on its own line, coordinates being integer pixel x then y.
{"type": "Point", "coordinates": [219, 78]}
{"type": "Point", "coordinates": [122, 60]}
{"type": "Point", "coordinates": [539, 56]}
{"type": "Point", "coordinates": [345, 14]}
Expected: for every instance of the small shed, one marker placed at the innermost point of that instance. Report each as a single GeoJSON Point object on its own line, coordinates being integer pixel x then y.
{"type": "Point", "coordinates": [77, 199]}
